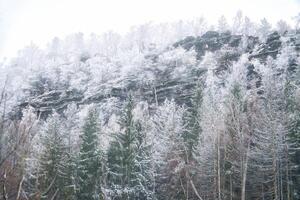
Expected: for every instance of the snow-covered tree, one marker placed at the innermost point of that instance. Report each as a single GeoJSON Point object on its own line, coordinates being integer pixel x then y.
{"type": "Point", "coordinates": [168, 125]}
{"type": "Point", "coordinates": [264, 29]}
{"type": "Point", "coordinates": [297, 21]}
{"type": "Point", "coordinates": [236, 136]}
{"type": "Point", "coordinates": [282, 27]}
{"type": "Point", "coordinates": [212, 146]}
{"type": "Point", "coordinates": [129, 167]}
{"type": "Point", "coordinates": [199, 26]}
{"type": "Point", "coordinates": [71, 132]}
{"type": "Point", "coordinates": [192, 133]}
{"type": "Point", "coordinates": [248, 27]}
{"type": "Point", "coordinates": [52, 160]}
{"type": "Point", "coordinates": [238, 145]}
{"type": "Point", "coordinates": [237, 23]}
{"type": "Point", "coordinates": [223, 26]}
{"type": "Point", "coordinates": [89, 167]}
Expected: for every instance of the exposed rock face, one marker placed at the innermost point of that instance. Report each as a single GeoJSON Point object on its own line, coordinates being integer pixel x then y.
{"type": "Point", "coordinates": [54, 100]}
{"type": "Point", "coordinates": [167, 86]}
{"type": "Point", "coordinates": [270, 48]}
{"type": "Point", "coordinates": [213, 41]}
{"type": "Point", "coordinates": [254, 79]}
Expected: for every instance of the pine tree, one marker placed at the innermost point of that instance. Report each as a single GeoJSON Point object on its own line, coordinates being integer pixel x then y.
{"type": "Point", "coordinates": [143, 165]}
{"type": "Point", "coordinates": [128, 160]}
{"type": "Point", "coordinates": [294, 141]}
{"type": "Point", "coordinates": [270, 149]}
{"type": "Point", "coordinates": [51, 176]}
{"type": "Point", "coordinates": [191, 137]}
{"type": "Point", "coordinates": [69, 190]}
{"type": "Point", "coordinates": [89, 163]}
{"type": "Point", "coordinates": [237, 147]}
{"type": "Point", "coordinates": [264, 29]}
{"type": "Point", "coordinates": [168, 149]}
{"type": "Point", "coordinates": [70, 126]}
{"type": "Point", "coordinates": [293, 137]}
{"type": "Point", "coordinates": [222, 24]}
{"type": "Point", "coordinates": [193, 128]}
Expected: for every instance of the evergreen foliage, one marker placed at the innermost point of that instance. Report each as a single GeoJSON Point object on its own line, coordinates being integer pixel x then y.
{"type": "Point", "coordinates": [89, 160]}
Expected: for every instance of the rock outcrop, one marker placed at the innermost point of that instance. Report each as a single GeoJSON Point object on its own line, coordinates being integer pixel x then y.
{"type": "Point", "coordinates": [180, 89]}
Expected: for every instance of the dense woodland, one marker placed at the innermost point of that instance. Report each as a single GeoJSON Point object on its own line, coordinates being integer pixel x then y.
{"type": "Point", "coordinates": [174, 111]}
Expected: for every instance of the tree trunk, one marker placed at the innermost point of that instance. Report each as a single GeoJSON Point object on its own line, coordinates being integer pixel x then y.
{"type": "Point", "coordinates": [20, 188]}
{"type": "Point", "coordinates": [218, 168]}
{"type": "Point", "coordinates": [5, 196]}
{"type": "Point", "coordinates": [230, 179]}
{"type": "Point", "coordinates": [287, 172]}
{"type": "Point", "coordinates": [245, 169]}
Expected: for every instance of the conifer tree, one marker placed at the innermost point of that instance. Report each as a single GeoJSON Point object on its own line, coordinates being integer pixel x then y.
{"type": "Point", "coordinates": [169, 150]}
{"type": "Point", "coordinates": [89, 163]}
{"type": "Point", "coordinates": [193, 128]}
{"type": "Point", "coordinates": [128, 160]}
{"type": "Point", "coordinates": [51, 175]}
{"type": "Point", "coordinates": [293, 137]}
{"type": "Point", "coordinates": [143, 165]}
{"type": "Point", "coordinates": [237, 146]}
{"type": "Point", "coordinates": [70, 126]}
{"type": "Point", "coordinates": [191, 137]}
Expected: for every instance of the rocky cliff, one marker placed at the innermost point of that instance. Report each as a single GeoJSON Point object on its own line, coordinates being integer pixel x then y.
{"type": "Point", "coordinates": [228, 49]}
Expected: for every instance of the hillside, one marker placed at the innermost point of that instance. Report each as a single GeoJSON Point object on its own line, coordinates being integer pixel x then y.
{"type": "Point", "coordinates": [157, 79]}
{"type": "Point", "coordinates": [212, 115]}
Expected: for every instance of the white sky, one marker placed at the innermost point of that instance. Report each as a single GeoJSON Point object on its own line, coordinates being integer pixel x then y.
{"type": "Point", "coordinates": [23, 21]}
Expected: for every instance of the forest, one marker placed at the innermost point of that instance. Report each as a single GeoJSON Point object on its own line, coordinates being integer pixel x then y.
{"type": "Point", "coordinates": [171, 111]}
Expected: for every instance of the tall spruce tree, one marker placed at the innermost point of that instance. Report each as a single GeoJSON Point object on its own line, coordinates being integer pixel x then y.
{"type": "Point", "coordinates": [293, 108]}
{"type": "Point", "coordinates": [236, 150]}
{"type": "Point", "coordinates": [51, 175]}
{"type": "Point", "coordinates": [193, 128]}
{"type": "Point", "coordinates": [191, 137]}
{"type": "Point", "coordinates": [89, 163]}
{"type": "Point", "coordinates": [143, 165]}
{"type": "Point", "coordinates": [168, 150]}
{"type": "Point", "coordinates": [70, 126]}
{"type": "Point", "coordinates": [128, 160]}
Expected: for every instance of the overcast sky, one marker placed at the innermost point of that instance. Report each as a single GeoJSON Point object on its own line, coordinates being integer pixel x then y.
{"type": "Point", "coordinates": [23, 21]}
